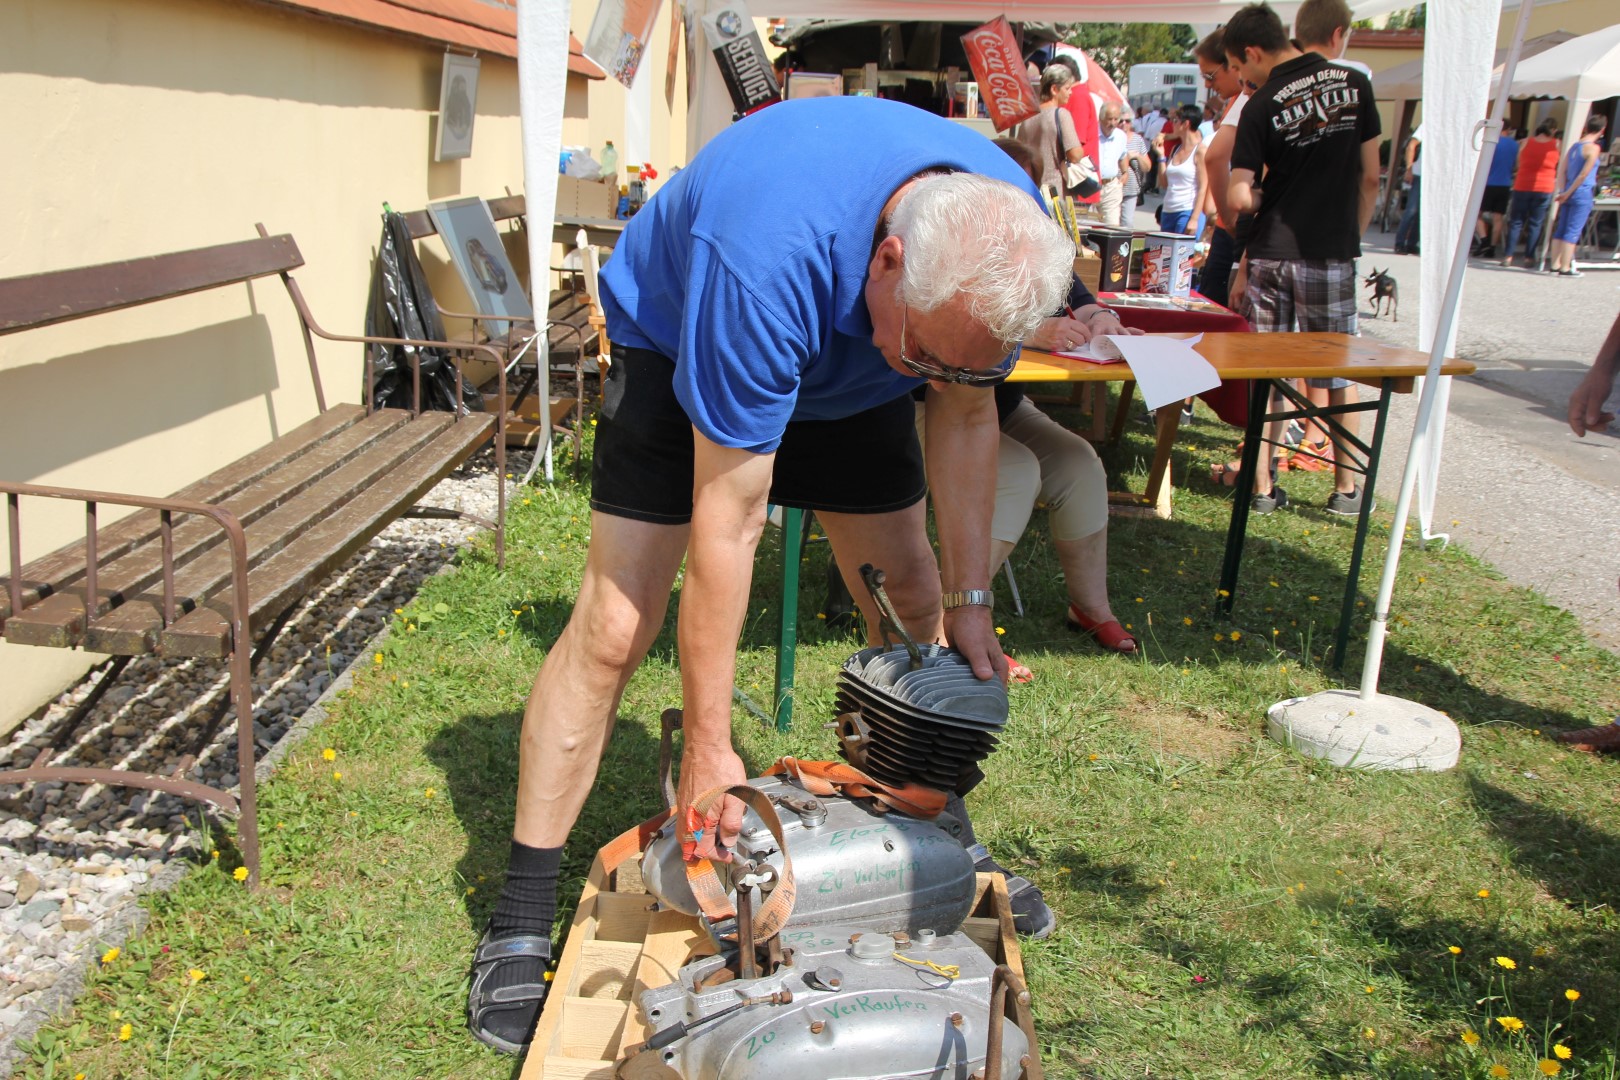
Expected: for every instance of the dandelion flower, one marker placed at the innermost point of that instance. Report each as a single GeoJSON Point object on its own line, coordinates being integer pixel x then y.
{"type": "Point", "coordinates": [240, 873]}
{"type": "Point", "coordinates": [1570, 994]}
{"type": "Point", "coordinates": [1236, 636]}
{"type": "Point", "coordinates": [1549, 1067]}
{"type": "Point", "coordinates": [1369, 1033]}
{"type": "Point", "coordinates": [1186, 620]}
{"type": "Point", "coordinates": [111, 954]}
{"type": "Point", "coordinates": [429, 793]}
{"type": "Point", "coordinates": [1510, 1023]}
{"type": "Point", "coordinates": [197, 974]}
{"type": "Point", "coordinates": [1000, 630]}
{"type": "Point", "coordinates": [329, 754]}
{"type": "Point", "coordinates": [1470, 1037]}
{"type": "Point", "coordinates": [377, 658]}
{"type": "Point", "coordinates": [1484, 894]}
{"type": "Point", "coordinates": [126, 1032]}
{"type": "Point", "coordinates": [1563, 1052]}
{"type": "Point", "coordinates": [1368, 988]}
{"type": "Point", "coordinates": [1506, 962]}
{"type": "Point", "coordinates": [337, 776]}
{"type": "Point", "coordinates": [1499, 1072]}
{"type": "Point", "coordinates": [214, 854]}
{"type": "Point", "coordinates": [1453, 950]}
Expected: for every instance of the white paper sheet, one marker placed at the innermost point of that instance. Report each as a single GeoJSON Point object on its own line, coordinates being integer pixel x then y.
{"type": "Point", "coordinates": [1166, 368]}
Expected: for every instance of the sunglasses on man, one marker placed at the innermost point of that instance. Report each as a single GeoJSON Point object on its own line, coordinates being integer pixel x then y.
{"type": "Point", "coordinates": [937, 371]}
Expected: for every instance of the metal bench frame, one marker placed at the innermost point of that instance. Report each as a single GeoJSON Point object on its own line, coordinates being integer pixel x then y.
{"type": "Point", "coordinates": [72, 571]}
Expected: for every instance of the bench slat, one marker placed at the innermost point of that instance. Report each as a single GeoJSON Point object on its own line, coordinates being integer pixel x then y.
{"type": "Point", "coordinates": [131, 629]}
{"type": "Point", "coordinates": [58, 620]}
{"type": "Point", "coordinates": [282, 580]}
{"type": "Point", "coordinates": [61, 295]}
{"type": "Point", "coordinates": [64, 567]}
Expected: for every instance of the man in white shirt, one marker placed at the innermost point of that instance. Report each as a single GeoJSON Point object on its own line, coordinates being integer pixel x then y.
{"type": "Point", "coordinates": [1112, 150]}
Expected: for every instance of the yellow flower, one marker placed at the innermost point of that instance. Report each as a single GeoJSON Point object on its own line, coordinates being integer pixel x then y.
{"type": "Point", "coordinates": [377, 658]}
{"type": "Point", "coordinates": [337, 776]}
{"type": "Point", "coordinates": [1483, 894]}
{"type": "Point", "coordinates": [1000, 630]}
{"type": "Point", "coordinates": [1313, 599]}
{"type": "Point", "coordinates": [197, 974]}
{"type": "Point", "coordinates": [1549, 1067]}
{"type": "Point", "coordinates": [429, 793]}
{"type": "Point", "coordinates": [1236, 636]}
{"type": "Point", "coordinates": [1470, 1037]}
{"type": "Point", "coordinates": [111, 954]}
{"type": "Point", "coordinates": [1368, 988]}
{"type": "Point", "coordinates": [1222, 593]}
{"type": "Point", "coordinates": [1499, 1072]}
{"type": "Point", "coordinates": [1091, 757]}
{"type": "Point", "coordinates": [329, 754]}
{"type": "Point", "coordinates": [1562, 1052]}
{"type": "Point", "coordinates": [1186, 620]}
{"type": "Point", "coordinates": [1510, 1023]}
{"type": "Point", "coordinates": [1571, 994]}
{"type": "Point", "coordinates": [240, 873]}
{"type": "Point", "coordinates": [1369, 1033]}
{"type": "Point", "coordinates": [125, 1032]}
{"type": "Point", "coordinates": [515, 611]}
{"type": "Point", "coordinates": [1506, 962]}
{"type": "Point", "coordinates": [1453, 950]}
{"type": "Point", "coordinates": [214, 854]}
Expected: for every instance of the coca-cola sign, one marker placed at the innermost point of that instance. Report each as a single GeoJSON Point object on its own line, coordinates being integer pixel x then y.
{"type": "Point", "coordinates": [992, 53]}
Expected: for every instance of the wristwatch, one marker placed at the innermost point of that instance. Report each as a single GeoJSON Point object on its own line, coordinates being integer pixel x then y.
{"type": "Point", "coordinates": [969, 597]}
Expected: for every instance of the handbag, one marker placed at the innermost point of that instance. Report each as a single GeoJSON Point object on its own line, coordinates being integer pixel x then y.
{"type": "Point", "coordinates": [1079, 177]}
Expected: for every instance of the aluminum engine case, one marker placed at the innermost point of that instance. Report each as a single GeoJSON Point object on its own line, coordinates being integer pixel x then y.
{"type": "Point", "coordinates": [885, 1019]}
{"type": "Point", "coordinates": [881, 872]}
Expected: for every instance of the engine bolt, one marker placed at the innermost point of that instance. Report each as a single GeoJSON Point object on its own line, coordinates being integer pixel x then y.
{"type": "Point", "coordinates": [956, 1019]}
{"type": "Point", "coordinates": [902, 938]}
{"type": "Point", "coordinates": [817, 1027]}
{"type": "Point", "coordinates": [853, 938]}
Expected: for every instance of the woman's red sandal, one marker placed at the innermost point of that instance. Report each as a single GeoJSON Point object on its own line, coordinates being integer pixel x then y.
{"type": "Point", "coordinates": [1110, 635]}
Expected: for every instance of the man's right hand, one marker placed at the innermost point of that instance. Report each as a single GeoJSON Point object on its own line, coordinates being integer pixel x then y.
{"type": "Point", "coordinates": [704, 770]}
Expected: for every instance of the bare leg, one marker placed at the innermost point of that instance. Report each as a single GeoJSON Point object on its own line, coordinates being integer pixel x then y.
{"type": "Point", "coordinates": [897, 544]}
{"type": "Point", "coordinates": [1343, 479]}
{"type": "Point", "coordinates": [622, 600]}
{"type": "Point", "coordinates": [1315, 432]}
{"type": "Point", "coordinates": [1085, 573]}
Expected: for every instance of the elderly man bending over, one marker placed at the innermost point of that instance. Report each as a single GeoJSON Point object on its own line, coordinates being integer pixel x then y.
{"type": "Point", "coordinates": [771, 310]}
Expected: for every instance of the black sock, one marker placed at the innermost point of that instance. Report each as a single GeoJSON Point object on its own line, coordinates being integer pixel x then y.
{"type": "Point", "coordinates": [527, 905]}
{"type": "Point", "coordinates": [528, 902]}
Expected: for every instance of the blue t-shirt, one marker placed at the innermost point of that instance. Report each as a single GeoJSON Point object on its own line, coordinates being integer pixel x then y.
{"type": "Point", "coordinates": [1503, 160]}
{"type": "Point", "coordinates": [748, 268]}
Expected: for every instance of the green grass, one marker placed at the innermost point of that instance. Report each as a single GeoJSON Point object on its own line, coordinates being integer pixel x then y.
{"type": "Point", "coordinates": [1228, 909]}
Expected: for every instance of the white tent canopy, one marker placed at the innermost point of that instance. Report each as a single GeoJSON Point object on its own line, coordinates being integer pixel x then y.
{"type": "Point", "coordinates": [1404, 82]}
{"type": "Point", "coordinates": [1583, 69]}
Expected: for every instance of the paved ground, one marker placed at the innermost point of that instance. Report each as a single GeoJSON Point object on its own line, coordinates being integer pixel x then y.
{"type": "Point", "coordinates": [1540, 505]}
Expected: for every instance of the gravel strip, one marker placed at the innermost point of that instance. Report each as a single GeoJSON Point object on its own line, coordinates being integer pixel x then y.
{"type": "Point", "coordinates": [75, 859]}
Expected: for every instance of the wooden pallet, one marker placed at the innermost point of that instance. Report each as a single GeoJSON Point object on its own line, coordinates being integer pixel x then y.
{"type": "Point", "coordinates": [620, 944]}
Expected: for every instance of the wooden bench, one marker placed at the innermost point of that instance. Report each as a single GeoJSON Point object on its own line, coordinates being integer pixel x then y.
{"type": "Point", "coordinates": [574, 329]}
{"type": "Point", "coordinates": [221, 563]}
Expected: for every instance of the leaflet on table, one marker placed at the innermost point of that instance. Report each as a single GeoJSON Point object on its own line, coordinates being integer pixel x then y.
{"type": "Point", "coordinates": [1166, 368]}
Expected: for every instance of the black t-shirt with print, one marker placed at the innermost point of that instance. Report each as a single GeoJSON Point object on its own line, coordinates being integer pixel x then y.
{"type": "Point", "coordinates": [1301, 134]}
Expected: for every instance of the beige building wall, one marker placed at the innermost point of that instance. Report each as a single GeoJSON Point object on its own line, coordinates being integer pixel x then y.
{"type": "Point", "coordinates": [137, 127]}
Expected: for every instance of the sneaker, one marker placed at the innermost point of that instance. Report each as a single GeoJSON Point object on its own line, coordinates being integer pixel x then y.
{"type": "Point", "coordinates": [1032, 918]}
{"type": "Point", "coordinates": [1276, 499]}
{"type": "Point", "coordinates": [1349, 505]}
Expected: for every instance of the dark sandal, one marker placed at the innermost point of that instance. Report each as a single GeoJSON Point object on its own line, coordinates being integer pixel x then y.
{"type": "Point", "coordinates": [481, 1002]}
{"type": "Point", "coordinates": [1110, 635]}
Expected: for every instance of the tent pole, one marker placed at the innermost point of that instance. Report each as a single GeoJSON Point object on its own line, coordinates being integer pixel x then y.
{"type": "Point", "coordinates": [1378, 630]}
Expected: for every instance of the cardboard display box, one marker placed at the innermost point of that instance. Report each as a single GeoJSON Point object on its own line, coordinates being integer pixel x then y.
{"type": "Point", "coordinates": [1167, 264]}
{"type": "Point", "coordinates": [587, 198]}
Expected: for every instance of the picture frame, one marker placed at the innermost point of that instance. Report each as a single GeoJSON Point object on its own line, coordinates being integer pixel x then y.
{"type": "Point", "coordinates": [813, 84]}
{"type": "Point", "coordinates": [474, 244]}
{"type": "Point", "coordinates": [458, 107]}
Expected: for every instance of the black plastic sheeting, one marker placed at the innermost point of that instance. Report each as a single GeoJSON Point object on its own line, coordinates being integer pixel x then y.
{"type": "Point", "coordinates": [401, 306]}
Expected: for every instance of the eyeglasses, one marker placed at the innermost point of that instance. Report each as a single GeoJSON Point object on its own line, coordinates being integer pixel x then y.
{"type": "Point", "coordinates": [1209, 78]}
{"type": "Point", "coordinates": [930, 368]}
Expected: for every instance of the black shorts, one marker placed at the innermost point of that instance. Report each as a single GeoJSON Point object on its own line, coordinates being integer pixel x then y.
{"type": "Point", "coordinates": [869, 463]}
{"type": "Point", "coordinates": [1496, 199]}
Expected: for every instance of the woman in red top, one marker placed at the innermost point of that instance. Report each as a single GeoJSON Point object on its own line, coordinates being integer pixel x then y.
{"type": "Point", "coordinates": [1533, 189]}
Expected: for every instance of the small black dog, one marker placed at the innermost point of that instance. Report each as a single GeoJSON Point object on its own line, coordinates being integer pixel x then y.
{"type": "Point", "coordinates": [1384, 288]}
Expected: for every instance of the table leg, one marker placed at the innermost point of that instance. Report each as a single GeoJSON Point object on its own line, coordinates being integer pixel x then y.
{"type": "Point", "coordinates": [1157, 494]}
{"type": "Point", "coordinates": [787, 641]}
{"type": "Point", "coordinates": [1259, 401]}
{"type": "Point", "coordinates": [1098, 394]}
{"type": "Point", "coordinates": [1122, 411]}
{"type": "Point", "coordinates": [1347, 610]}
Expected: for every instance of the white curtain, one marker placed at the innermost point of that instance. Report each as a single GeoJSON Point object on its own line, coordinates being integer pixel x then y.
{"type": "Point", "coordinates": [1456, 85]}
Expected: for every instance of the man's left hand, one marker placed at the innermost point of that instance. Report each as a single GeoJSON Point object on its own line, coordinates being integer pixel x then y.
{"type": "Point", "coordinates": [971, 631]}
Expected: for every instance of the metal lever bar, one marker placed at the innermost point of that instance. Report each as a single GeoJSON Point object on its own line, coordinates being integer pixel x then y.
{"type": "Point", "coordinates": [889, 618]}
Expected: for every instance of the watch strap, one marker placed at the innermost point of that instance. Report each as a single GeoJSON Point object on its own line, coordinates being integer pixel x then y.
{"type": "Point", "coordinates": [969, 597]}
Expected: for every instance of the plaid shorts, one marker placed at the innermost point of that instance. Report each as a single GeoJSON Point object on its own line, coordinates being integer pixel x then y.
{"type": "Point", "coordinates": [1309, 295]}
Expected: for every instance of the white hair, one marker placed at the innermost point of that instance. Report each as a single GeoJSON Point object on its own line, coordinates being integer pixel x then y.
{"type": "Point", "coordinates": [988, 242]}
